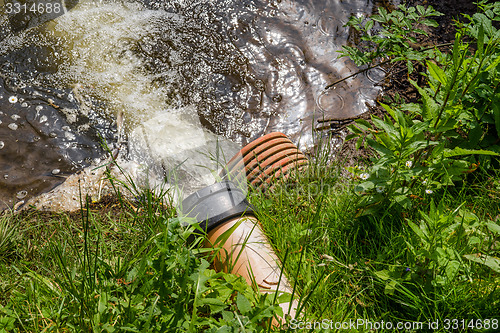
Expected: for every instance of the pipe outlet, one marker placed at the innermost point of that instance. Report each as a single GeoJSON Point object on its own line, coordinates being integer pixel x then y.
{"type": "Point", "coordinates": [223, 212]}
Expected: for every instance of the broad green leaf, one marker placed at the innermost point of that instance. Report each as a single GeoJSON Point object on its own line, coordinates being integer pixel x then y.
{"type": "Point", "coordinates": [484, 23]}
{"type": "Point", "coordinates": [400, 117]}
{"type": "Point", "coordinates": [388, 141]}
{"type": "Point", "coordinates": [480, 41]}
{"type": "Point", "coordinates": [430, 23]}
{"type": "Point", "coordinates": [359, 142]}
{"type": "Point", "coordinates": [437, 73]}
{"type": "Point", "coordinates": [496, 116]}
{"type": "Point", "coordinates": [420, 233]}
{"type": "Point", "coordinates": [378, 147]}
{"type": "Point", "coordinates": [351, 136]}
{"type": "Point", "coordinates": [417, 145]}
{"type": "Point", "coordinates": [445, 125]}
{"type": "Point", "coordinates": [386, 126]}
{"type": "Point", "coordinates": [243, 304]}
{"type": "Point", "coordinates": [383, 13]}
{"type": "Point", "coordinates": [395, 114]}
{"type": "Point", "coordinates": [365, 186]}
{"type": "Point", "coordinates": [383, 274]}
{"type": "Point", "coordinates": [216, 305]}
{"type": "Point", "coordinates": [378, 18]}
{"type": "Point", "coordinates": [475, 134]}
{"type": "Point", "coordinates": [412, 107]}
{"type": "Point", "coordinates": [493, 64]}
{"type": "Point", "coordinates": [452, 269]}
{"type": "Point", "coordinates": [420, 9]}
{"type": "Point", "coordinates": [354, 129]}
{"type": "Point", "coordinates": [493, 227]}
{"type": "Point", "coordinates": [410, 67]}
{"type": "Point", "coordinates": [390, 288]}
{"type": "Point", "coordinates": [369, 25]}
{"type": "Point", "coordinates": [430, 108]}
{"type": "Point", "coordinates": [419, 126]}
{"type": "Point", "coordinates": [403, 201]}
{"type": "Point", "coordinates": [491, 262]}
{"type": "Point", "coordinates": [363, 124]}
{"type": "Point", "coordinates": [457, 151]}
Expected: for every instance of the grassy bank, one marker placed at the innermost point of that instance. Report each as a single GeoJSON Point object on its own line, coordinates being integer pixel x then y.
{"type": "Point", "coordinates": [121, 267]}
{"type": "Point", "coordinates": [411, 238]}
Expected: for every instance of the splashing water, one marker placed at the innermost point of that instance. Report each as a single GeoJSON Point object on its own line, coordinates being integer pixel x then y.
{"type": "Point", "coordinates": [186, 77]}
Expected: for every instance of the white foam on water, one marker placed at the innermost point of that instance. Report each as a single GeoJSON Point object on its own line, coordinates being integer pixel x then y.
{"type": "Point", "coordinates": [179, 148]}
{"type": "Point", "coordinates": [99, 39]}
{"type": "Point", "coordinates": [166, 140]}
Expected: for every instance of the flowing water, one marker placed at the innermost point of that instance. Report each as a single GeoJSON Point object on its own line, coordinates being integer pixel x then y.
{"type": "Point", "coordinates": [168, 82]}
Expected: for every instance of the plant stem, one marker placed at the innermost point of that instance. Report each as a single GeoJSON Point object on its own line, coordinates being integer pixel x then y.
{"type": "Point", "coordinates": [449, 89]}
{"type": "Point", "coordinates": [356, 73]}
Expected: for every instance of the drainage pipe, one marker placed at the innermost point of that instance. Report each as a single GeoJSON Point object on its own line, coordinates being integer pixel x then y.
{"type": "Point", "coordinates": [225, 215]}
{"type": "Point", "coordinates": [264, 161]}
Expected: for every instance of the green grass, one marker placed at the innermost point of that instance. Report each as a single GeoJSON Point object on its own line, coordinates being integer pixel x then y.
{"type": "Point", "coordinates": [116, 267]}
{"type": "Point", "coordinates": [372, 267]}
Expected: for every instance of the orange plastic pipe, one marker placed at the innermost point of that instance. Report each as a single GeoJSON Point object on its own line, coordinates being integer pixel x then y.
{"type": "Point", "coordinates": [246, 252]}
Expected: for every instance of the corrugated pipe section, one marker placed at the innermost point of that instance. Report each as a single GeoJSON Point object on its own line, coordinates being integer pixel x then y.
{"type": "Point", "coordinates": [223, 211]}
{"type": "Point", "coordinates": [265, 160]}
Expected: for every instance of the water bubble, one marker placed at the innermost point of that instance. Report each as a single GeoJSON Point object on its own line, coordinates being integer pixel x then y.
{"type": "Point", "coordinates": [2, 144]}
{"type": "Point", "coordinates": [13, 99]}
{"type": "Point", "coordinates": [52, 135]}
{"type": "Point", "coordinates": [375, 75]}
{"type": "Point", "coordinates": [241, 60]}
{"type": "Point", "coordinates": [43, 119]}
{"type": "Point", "coordinates": [21, 194]}
{"type": "Point", "coordinates": [69, 136]}
{"type": "Point", "coordinates": [39, 108]}
{"type": "Point", "coordinates": [277, 98]}
{"type": "Point", "coordinates": [13, 126]}
{"type": "Point", "coordinates": [24, 105]}
{"type": "Point", "coordinates": [15, 117]}
{"type": "Point", "coordinates": [330, 101]}
{"type": "Point", "coordinates": [56, 171]}
{"type": "Point", "coordinates": [5, 176]}
{"type": "Point", "coordinates": [236, 87]}
{"type": "Point", "coordinates": [259, 84]}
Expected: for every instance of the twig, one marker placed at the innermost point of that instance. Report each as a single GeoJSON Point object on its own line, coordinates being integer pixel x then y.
{"type": "Point", "coordinates": [379, 64]}
{"type": "Point", "coordinates": [354, 74]}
